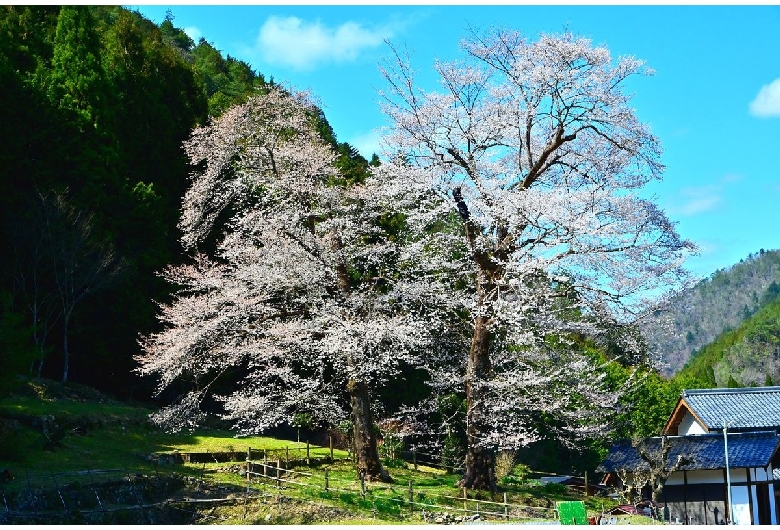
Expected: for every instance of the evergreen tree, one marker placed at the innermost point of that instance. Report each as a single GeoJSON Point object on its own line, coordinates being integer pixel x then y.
{"type": "Point", "coordinates": [78, 87]}
{"type": "Point", "coordinates": [226, 81]}
{"type": "Point", "coordinates": [77, 81]}
{"type": "Point", "coordinates": [175, 37]}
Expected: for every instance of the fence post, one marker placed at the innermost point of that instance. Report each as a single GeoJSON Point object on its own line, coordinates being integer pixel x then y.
{"type": "Point", "coordinates": [32, 495]}
{"type": "Point", "coordinates": [278, 473]}
{"type": "Point", "coordinates": [326, 480]}
{"type": "Point", "coordinates": [330, 443]}
{"type": "Point", "coordinates": [363, 485]}
{"type": "Point", "coordinates": [414, 458]}
{"type": "Point", "coordinates": [8, 511]}
{"type": "Point", "coordinates": [248, 454]}
{"type": "Point", "coordinates": [308, 462]}
{"type": "Point", "coordinates": [287, 456]}
{"type": "Point", "coordinates": [265, 464]}
{"type": "Point", "coordinates": [248, 482]}
{"type": "Point", "coordinates": [586, 483]}
{"type": "Point", "coordinates": [465, 501]}
{"type": "Point", "coordinates": [57, 486]}
{"type": "Point", "coordinates": [506, 508]}
{"type": "Point", "coordinates": [135, 493]}
{"type": "Point", "coordinates": [411, 497]}
{"type": "Point", "coordinates": [91, 480]}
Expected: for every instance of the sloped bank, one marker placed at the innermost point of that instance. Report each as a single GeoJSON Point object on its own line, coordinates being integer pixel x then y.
{"type": "Point", "coordinates": [137, 499]}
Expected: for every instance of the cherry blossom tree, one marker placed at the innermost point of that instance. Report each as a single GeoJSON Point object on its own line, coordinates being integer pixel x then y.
{"type": "Point", "coordinates": [295, 296]}
{"type": "Point", "coordinates": [533, 150]}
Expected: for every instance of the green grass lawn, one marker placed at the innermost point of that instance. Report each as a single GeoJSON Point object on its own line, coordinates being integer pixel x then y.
{"type": "Point", "coordinates": [127, 446]}
{"type": "Point", "coordinates": [119, 437]}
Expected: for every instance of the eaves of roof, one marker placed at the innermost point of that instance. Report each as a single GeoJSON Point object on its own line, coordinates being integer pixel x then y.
{"type": "Point", "coordinates": [704, 451]}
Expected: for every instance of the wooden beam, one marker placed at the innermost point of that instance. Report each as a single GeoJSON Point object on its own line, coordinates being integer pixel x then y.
{"type": "Point", "coordinates": [673, 423]}
{"type": "Point", "coordinates": [685, 496]}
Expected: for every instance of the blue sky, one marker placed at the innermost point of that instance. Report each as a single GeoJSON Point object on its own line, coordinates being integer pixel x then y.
{"type": "Point", "coordinates": [714, 101]}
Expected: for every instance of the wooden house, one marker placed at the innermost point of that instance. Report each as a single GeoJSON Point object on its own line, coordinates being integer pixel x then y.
{"type": "Point", "coordinates": [715, 437]}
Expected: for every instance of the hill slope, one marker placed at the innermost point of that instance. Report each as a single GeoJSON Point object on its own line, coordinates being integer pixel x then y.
{"type": "Point", "coordinates": [714, 306]}
{"type": "Point", "coordinates": [746, 356]}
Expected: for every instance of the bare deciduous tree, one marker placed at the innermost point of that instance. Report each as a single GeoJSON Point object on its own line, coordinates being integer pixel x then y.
{"type": "Point", "coordinates": [82, 263]}
{"type": "Point", "coordinates": [32, 272]}
{"type": "Point", "coordinates": [658, 467]}
{"type": "Point", "coordinates": [58, 261]}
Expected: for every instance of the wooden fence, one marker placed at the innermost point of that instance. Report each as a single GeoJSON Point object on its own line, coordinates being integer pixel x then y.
{"type": "Point", "coordinates": [274, 468]}
{"type": "Point", "coordinates": [274, 474]}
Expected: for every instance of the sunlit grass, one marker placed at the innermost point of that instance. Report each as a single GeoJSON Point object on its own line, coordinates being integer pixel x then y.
{"type": "Point", "coordinates": [221, 441]}
{"type": "Point", "coordinates": [118, 437]}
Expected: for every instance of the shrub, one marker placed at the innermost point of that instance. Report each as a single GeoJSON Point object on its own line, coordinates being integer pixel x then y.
{"type": "Point", "coordinates": [510, 480]}
{"type": "Point", "coordinates": [553, 488]}
{"type": "Point", "coordinates": [452, 452]}
{"type": "Point", "coordinates": [505, 463]}
{"type": "Point", "coordinates": [521, 472]}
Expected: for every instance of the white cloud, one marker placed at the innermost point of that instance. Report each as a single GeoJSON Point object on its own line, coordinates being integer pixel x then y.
{"type": "Point", "coordinates": [767, 102]}
{"type": "Point", "coordinates": [194, 33]}
{"type": "Point", "coordinates": [697, 205]}
{"type": "Point", "coordinates": [693, 200]}
{"type": "Point", "coordinates": [302, 45]}
{"type": "Point", "coordinates": [730, 177]}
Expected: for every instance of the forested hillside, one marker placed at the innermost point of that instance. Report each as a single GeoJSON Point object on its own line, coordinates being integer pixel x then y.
{"type": "Point", "coordinates": [746, 356]}
{"type": "Point", "coordinates": [716, 305]}
{"type": "Point", "coordinates": [96, 104]}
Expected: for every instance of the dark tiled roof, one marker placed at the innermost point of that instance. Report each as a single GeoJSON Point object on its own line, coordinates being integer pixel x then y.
{"type": "Point", "coordinates": [742, 408]}
{"type": "Point", "coordinates": [703, 451]}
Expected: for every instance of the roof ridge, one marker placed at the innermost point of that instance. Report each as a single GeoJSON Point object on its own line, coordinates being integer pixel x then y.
{"type": "Point", "coordinates": [748, 390]}
{"type": "Point", "coordinates": [719, 434]}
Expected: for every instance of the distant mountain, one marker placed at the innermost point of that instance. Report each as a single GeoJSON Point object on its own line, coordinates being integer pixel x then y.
{"type": "Point", "coordinates": [746, 356]}
{"type": "Point", "coordinates": [715, 306]}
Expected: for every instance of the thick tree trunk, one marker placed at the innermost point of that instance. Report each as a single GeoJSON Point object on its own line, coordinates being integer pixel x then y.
{"type": "Point", "coordinates": [480, 469]}
{"type": "Point", "coordinates": [368, 462]}
{"type": "Point", "coordinates": [480, 460]}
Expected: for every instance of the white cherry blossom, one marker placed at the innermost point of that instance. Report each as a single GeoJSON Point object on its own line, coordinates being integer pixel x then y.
{"type": "Point", "coordinates": [287, 314]}
{"type": "Point", "coordinates": [531, 154]}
